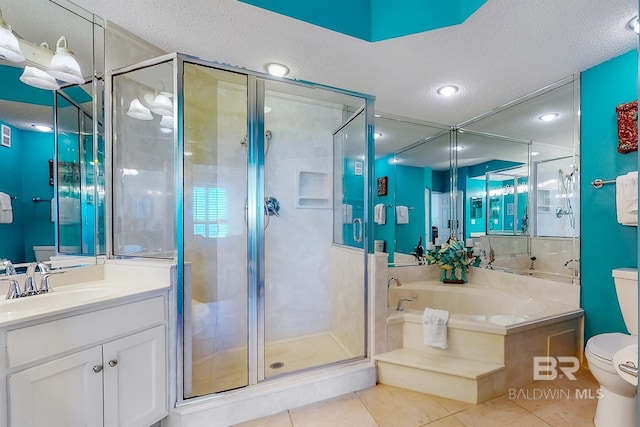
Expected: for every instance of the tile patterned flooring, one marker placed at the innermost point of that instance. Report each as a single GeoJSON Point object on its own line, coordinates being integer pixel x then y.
{"type": "Point", "coordinates": [557, 403]}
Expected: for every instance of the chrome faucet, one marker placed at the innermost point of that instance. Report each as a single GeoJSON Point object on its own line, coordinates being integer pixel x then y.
{"type": "Point", "coordinates": [400, 306]}
{"type": "Point", "coordinates": [9, 269]}
{"type": "Point", "coordinates": [392, 279]}
{"type": "Point", "coordinates": [14, 288]}
{"type": "Point", "coordinates": [30, 287]}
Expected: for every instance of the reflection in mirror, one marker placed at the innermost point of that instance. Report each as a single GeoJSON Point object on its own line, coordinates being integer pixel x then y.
{"type": "Point", "coordinates": [415, 157]}
{"type": "Point", "coordinates": [528, 178]}
{"type": "Point", "coordinates": [499, 159]}
{"type": "Point", "coordinates": [27, 159]}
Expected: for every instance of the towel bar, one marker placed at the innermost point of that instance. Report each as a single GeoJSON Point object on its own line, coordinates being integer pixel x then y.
{"type": "Point", "coordinates": [598, 183]}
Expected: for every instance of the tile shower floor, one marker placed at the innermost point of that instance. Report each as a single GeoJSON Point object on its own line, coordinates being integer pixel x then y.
{"type": "Point", "coordinates": [386, 406]}
{"type": "Point", "coordinates": [226, 370]}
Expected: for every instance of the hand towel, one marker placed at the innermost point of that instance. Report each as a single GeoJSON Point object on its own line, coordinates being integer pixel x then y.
{"type": "Point", "coordinates": [54, 210]}
{"type": "Point", "coordinates": [6, 210]}
{"type": "Point", "coordinates": [402, 215]}
{"type": "Point", "coordinates": [434, 327]}
{"type": "Point", "coordinates": [380, 214]}
{"type": "Point", "coordinates": [627, 199]}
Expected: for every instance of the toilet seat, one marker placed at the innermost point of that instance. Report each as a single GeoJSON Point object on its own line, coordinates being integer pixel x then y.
{"type": "Point", "coordinates": [601, 348]}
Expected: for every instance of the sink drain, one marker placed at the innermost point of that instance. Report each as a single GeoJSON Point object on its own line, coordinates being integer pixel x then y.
{"type": "Point", "coordinates": [276, 365]}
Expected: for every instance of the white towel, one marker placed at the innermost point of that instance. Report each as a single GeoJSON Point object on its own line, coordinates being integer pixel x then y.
{"type": "Point", "coordinates": [627, 199]}
{"type": "Point", "coordinates": [402, 215]}
{"type": "Point", "coordinates": [347, 214]}
{"type": "Point", "coordinates": [434, 327]}
{"type": "Point", "coordinates": [380, 214]}
{"type": "Point", "coordinates": [54, 210]}
{"type": "Point", "coordinates": [6, 210]}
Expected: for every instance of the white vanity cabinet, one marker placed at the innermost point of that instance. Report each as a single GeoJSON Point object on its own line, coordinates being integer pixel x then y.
{"type": "Point", "coordinates": [98, 368]}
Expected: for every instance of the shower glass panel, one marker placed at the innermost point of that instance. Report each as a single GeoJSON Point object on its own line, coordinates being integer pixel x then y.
{"type": "Point", "coordinates": [215, 230]}
{"type": "Point", "coordinates": [143, 165]}
{"type": "Point", "coordinates": [349, 148]}
{"type": "Point", "coordinates": [300, 302]}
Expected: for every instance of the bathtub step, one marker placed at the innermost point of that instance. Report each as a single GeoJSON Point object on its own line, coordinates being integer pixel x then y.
{"type": "Point", "coordinates": [441, 375]}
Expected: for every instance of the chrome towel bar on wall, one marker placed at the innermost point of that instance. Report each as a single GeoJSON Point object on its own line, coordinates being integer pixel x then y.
{"type": "Point", "coordinates": [598, 183]}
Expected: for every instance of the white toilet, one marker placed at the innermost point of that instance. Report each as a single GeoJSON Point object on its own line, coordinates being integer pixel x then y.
{"type": "Point", "coordinates": [617, 407]}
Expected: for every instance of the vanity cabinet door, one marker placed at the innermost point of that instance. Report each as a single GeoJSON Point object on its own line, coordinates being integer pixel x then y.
{"type": "Point", "coordinates": [61, 393]}
{"type": "Point", "coordinates": [135, 379]}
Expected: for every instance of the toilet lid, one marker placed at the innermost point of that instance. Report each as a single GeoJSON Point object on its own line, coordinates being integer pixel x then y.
{"type": "Point", "coordinates": [606, 345]}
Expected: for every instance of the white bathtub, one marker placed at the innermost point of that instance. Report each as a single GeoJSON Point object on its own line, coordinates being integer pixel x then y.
{"type": "Point", "coordinates": [474, 307]}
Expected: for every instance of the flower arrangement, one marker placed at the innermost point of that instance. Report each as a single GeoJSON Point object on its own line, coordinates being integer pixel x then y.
{"type": "Point", "coordinates": [454, 260]}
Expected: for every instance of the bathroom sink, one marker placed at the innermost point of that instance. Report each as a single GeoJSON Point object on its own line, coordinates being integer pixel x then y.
{"type": "Point", "coordinates": [62, 298]}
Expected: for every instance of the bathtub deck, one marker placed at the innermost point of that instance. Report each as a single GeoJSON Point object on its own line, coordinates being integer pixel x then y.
{"type": "Point", "coordinates": [442, 375]}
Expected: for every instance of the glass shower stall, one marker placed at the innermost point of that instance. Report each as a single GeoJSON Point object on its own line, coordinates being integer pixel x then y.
{"type": "Point", "coordinates": [258, 188]}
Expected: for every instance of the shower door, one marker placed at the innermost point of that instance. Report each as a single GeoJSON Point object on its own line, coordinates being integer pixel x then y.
{"type": "Point", "coordinates": [216, 323]}
{"type": "Point", "coordinates": [260, 294]}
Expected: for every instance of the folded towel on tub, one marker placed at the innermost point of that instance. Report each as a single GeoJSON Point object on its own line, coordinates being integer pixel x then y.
{"type": "Point", "coordinates": [434, 327]}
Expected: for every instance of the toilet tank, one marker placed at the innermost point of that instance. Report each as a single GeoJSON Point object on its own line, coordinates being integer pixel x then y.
{"type": "Point", "coordinates": [626, 280]}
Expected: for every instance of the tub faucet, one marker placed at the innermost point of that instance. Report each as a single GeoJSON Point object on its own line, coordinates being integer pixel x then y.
{"type": "Point", "coordinates": [391, 279]}
{"type": "Point", "coordinates": [400, 306]}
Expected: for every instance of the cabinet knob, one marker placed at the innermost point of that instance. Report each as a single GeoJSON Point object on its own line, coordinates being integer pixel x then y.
{"type": "Point", "coordinates": [113, 362]}
{"type": "Point", "coordinates": [97, 368]}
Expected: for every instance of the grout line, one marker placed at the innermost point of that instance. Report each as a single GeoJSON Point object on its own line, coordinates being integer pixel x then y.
{"type": "Point", "coordinates": [366, 407]}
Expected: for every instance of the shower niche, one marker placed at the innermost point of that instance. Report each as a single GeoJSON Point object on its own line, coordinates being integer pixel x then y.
{"type": "Point", "coordinates": [313, 190]}
{"type": "Point", "coordinates": [251, 215]}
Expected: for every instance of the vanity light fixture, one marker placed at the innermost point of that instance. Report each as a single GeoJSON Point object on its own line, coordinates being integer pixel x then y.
{"type": "Point", "coordinates": [277, 70]}
{"type": "Point", "coordinates": [448, 90]}
{"type": "Point", "coordinates": [548, 117]}
{"type": "Point", "coordinates": [634, 25]}
{"type": "Point", "coordinates": [38, 78]}
{"type": "Point", "coordinates": [9, 47]}
{"type": "Point", "coordinates": [63, 65]}
{"type": "Point", "coordinates": [139, 111]}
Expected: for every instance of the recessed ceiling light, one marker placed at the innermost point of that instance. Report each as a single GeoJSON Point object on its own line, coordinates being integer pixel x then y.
{"type": "Point", "coordinates": [377, 135]}
{"type": "Point", "coordinates": [534, 153]}
{"type": "Point", "coordinates": [43, 128]}
{"type": "Point", "coordinates": [277, 70]}
{"type": "Point", "coordinates": [548, 117]}
{"type": "Point", "coordinates": [448, 90]}
{"type": "Point", "coordinates": [634, 25]}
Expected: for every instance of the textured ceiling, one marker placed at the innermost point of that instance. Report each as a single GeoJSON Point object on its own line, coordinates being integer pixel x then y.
{"type": "Point", "coordinates": [507, 49]}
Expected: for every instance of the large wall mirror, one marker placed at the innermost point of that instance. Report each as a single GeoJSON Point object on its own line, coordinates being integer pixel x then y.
{"type": "Point", "coordinates": [516, 177]}
{"type": "Point", "coordinates": [52, 152]}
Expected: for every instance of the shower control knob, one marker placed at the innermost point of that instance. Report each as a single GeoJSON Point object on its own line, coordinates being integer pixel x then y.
{"type": "Point", "coordinates": [113, 362]}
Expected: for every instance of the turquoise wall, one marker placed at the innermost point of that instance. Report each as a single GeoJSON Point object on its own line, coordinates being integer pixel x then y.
{"type": "Point", "coordinates": [410, 192]}
{"type": "Point", "coordinates": [605, 244]}
{"type": "Point", "coordinates": [386, 167]}
{"type": "Point", "coordinates": [24, 173]}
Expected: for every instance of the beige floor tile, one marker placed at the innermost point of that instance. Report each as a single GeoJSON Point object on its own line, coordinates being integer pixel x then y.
{"type": "Point", "coordinates": [451, 405]}
{"type": "Point", "coordinates": [396, 407]}
{"type": "Point", "coordinates": [450, 421]}
{"type": "Point", "coordinates": [347, 410]}
{"type": "Point", "coordinates": [499, 412]}
{"type": "Point", "coordinates": [279, 420]}
{"type": "Point", "coordinates": [561, 402]}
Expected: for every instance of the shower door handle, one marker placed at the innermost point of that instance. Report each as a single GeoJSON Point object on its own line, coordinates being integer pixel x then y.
{"type": "Point", "coordinates": [357, 230]}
